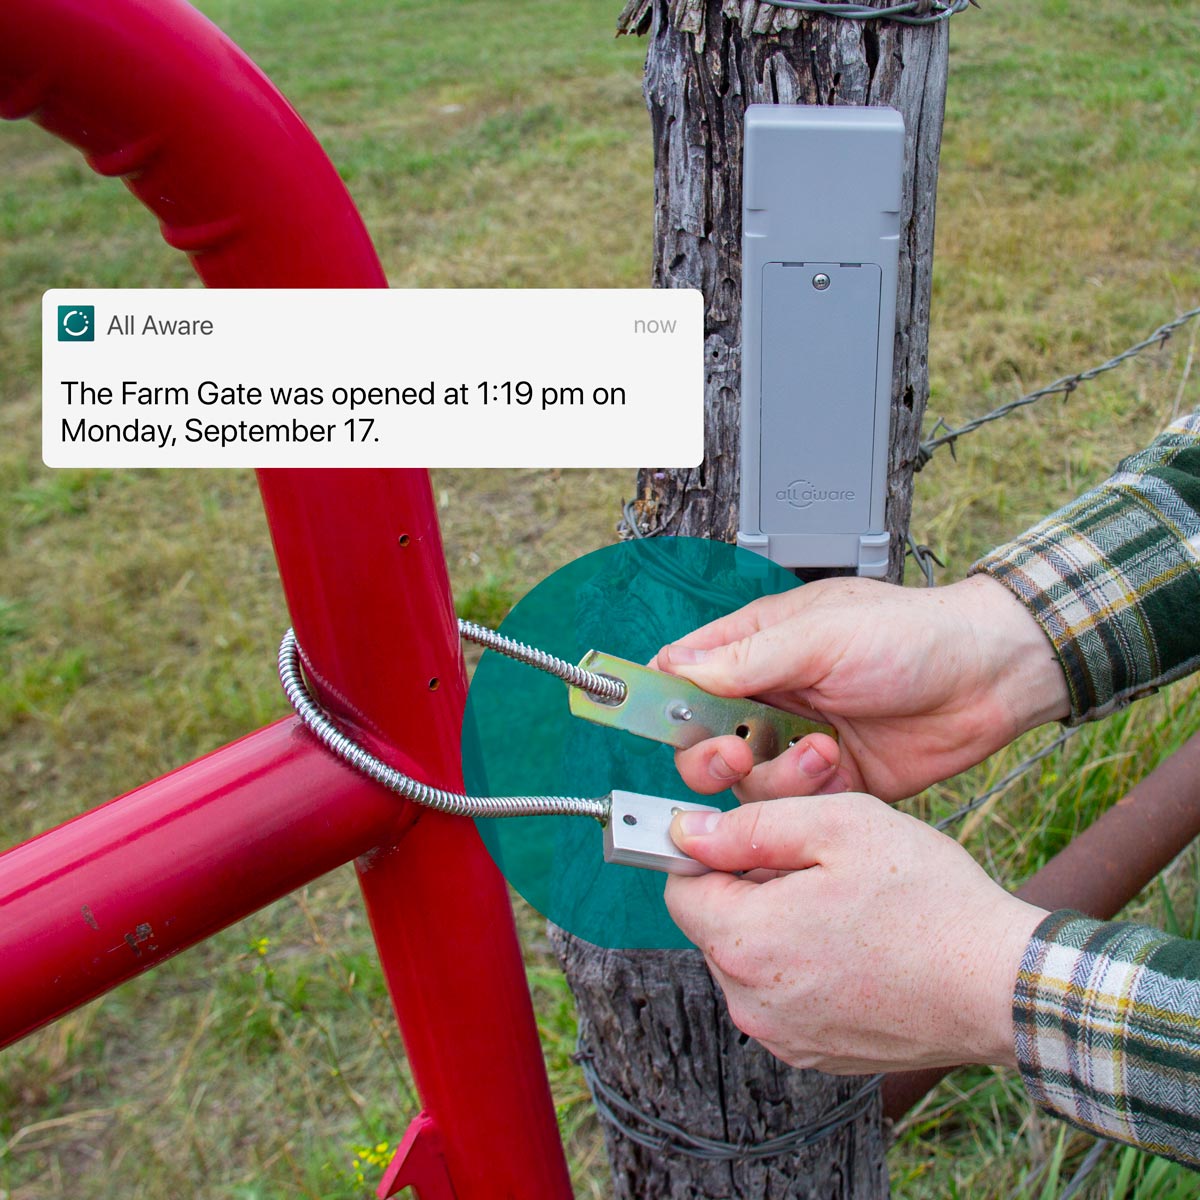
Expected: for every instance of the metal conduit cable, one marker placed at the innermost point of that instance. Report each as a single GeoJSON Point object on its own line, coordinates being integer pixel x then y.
{"type": "Point", "coordinates": [315, 720]}
{"type": "Point", "coordinates": [603, 687]}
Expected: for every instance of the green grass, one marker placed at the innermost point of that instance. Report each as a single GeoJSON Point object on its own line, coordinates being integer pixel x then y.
{"type": "Point", "coordinates": [507, 146]}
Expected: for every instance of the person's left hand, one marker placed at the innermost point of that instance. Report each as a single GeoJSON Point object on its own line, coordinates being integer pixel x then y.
{"type": "Point", "coordinates": [865, 940]}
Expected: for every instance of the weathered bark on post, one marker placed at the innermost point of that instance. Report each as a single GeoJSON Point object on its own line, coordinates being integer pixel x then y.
{"type": "Point", "coordinates": [655, 1023]}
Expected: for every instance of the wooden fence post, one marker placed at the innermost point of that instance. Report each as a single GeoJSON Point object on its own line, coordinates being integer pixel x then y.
{"type": "Point", "coordinates": [707, 60]}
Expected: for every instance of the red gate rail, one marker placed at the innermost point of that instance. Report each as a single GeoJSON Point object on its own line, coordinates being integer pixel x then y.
{"type": "Point", "coordinates": [119, 889]}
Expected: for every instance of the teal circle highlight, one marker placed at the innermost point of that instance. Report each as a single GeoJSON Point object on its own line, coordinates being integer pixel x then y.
{"type": "Point", "coordinates": [519, 737]}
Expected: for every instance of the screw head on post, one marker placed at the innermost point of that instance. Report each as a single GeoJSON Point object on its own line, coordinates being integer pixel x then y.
{"type": "Point", "coordinates": [820, 281]}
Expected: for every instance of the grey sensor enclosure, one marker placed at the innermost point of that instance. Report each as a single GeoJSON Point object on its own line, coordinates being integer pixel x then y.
{"type": "Point", "coordinates": [820, 254]}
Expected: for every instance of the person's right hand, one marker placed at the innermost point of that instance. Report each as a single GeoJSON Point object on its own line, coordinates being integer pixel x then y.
{"type": "Point", "coordinates": [919, 683]}
{"type": "Point", "coordinates": [852, 938]}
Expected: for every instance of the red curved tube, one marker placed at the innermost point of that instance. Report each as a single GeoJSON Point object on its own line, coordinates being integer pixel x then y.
{"type": "Point", "coordinates": [154, 93]}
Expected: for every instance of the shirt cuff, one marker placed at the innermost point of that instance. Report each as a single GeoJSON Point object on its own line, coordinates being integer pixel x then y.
{"type": "Point", "coordinates": [1107, 1031]}
{"type": "Point", "coordinates": [1113, 578]}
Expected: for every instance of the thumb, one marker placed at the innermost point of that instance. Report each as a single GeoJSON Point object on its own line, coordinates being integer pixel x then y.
{"type": "Point", "coordinates": [760, 662]}
{"type": "Point", "coordinates": [786, 835]}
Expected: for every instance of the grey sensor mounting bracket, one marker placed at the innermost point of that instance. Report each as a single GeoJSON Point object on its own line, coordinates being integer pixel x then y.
{"type": "Point", "coordinates": [638, 834]}
{"type": "Point", "coordinates": [820, 255]}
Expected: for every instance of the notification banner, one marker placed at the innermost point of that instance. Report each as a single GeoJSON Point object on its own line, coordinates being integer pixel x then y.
{"type": "Point", "coordinates": [372, 378]}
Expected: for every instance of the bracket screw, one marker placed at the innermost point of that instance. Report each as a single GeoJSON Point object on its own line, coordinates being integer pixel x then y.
{"type": "Point", "coordinates": [679, 712]}
{"type": "Point", "coordinates": [820, 281]}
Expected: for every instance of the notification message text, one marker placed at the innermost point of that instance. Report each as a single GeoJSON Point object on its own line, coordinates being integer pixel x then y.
{"type": "Point", "coordinates": [531, 378]}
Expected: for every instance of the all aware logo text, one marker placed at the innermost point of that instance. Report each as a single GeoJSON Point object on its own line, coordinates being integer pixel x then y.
{"type": "Point", "coordinates": [801, 494]}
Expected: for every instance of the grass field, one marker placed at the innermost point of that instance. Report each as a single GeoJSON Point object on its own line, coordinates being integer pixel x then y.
{"type": "Point", "coordinates": [507, 145]}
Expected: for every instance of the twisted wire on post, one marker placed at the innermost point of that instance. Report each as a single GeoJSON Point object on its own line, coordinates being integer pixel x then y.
{"type": "Point", "coordinates": [925, 558]}
{"type": "Point", "coordinates": [655, 1133]}
{"type": "Point", "coordinates": [603, 687]}
{"type": "Point", "coordinates": [910, 12]}
{"type": "Point", "coordinates": [315, 720]}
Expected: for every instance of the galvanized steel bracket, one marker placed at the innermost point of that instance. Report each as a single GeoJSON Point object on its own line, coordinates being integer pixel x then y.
{"type": "Point", "coordinates": [668, 709]}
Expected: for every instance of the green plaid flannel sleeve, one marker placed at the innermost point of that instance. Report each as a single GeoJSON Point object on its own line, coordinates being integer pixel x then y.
{"type": "Point", "coordinates": [1107, 1019]}
{"type": "Point", "coordinates": [1114, 577]}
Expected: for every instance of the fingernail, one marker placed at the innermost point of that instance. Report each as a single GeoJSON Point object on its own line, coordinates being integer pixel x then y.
{"type": "Point", "coordinates": [684, 656]}
{"type": "Point", "coordinates": [839, 783]}
{"type": "Point", "coordinates": [811, 763]}
{"type": "Point", "coordinates": [696, 824]}
{"type": "Point", "coordinates": [720, 770]}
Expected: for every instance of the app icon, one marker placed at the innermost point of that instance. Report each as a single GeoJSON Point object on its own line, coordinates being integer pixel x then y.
{"type": "Point", "coordinates": [76, 323]}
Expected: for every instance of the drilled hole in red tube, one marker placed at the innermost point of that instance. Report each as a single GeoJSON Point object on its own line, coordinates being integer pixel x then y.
{"type": "Point", "coordinates": [434, 684]}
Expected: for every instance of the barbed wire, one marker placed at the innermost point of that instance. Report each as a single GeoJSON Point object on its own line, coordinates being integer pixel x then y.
{"type": "Point", "coordinates": [1086, 1168]}
{"type": "Point", "coordinates": [1012, 776]}
{"type": "Point", "coordinates": [1064, 387]}
{"type": "Point", "coordinates": [1091, 1161]}
{"type": "Point", "coordinates": [910, 12]}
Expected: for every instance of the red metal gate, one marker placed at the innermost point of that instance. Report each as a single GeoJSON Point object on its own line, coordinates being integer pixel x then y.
{"type": "Point", "coordinates": [153, 93]}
